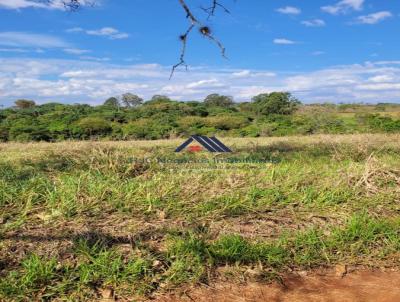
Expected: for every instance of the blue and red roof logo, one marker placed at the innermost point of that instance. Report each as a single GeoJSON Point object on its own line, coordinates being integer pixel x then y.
{"type": "Point", "coordinates": [197, 143]}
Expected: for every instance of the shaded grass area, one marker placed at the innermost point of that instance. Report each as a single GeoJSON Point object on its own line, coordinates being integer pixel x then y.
{"type": "Point", "coordinates": [190, 256]}
{"type": "Point", "coordinates": [79, 219]}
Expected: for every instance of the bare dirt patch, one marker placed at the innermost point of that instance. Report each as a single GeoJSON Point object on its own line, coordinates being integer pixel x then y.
{"type": "Point", "coordinates": [271, 224]}
{"type": "Point", "coordinates": [360, 286]}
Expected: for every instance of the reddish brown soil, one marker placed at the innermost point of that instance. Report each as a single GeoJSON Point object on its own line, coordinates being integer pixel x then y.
{"type": "Point", "coordinates": [355, 287]}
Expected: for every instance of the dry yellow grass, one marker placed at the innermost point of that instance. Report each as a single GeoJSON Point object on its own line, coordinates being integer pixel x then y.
{"type": "Point", "coordinates": [90, 218]}
{"type": "Point", "coordinates": [376, 140]}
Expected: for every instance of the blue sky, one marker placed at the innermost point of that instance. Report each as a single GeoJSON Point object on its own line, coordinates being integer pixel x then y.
{"type": "Point", "coordinates": [320, 50]}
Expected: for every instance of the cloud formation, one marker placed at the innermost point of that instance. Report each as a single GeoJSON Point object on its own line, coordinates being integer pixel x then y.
{"type": "Point", "coordinates": [289, 10]}
{"type": "Point", "coordinates": [314, 23]}
{"type": "Point", "coordinates": [87, 81]}
{"type": "Point", "coordinates": [283, 41]}
{"type": "Point", "coordinates": [22, 4]}
{"type": "Point", "coordinates": [374, 18]}
{"type": "Point", "coordinates": [19, 4]}
{"type": "Point", "coordinates": [343, 7]}
{"type": "Point", "coordinates": [15, 50]}
{"type": "Point", "coordinates": [25, 39]}
{"type": "Point", "coordinates": [76, 51]}
{"type": "Point", "coordinates": [110, 32]}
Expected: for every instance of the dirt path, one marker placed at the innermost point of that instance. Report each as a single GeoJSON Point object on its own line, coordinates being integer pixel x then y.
{"type": "Point", "coordinates": [355, 287]}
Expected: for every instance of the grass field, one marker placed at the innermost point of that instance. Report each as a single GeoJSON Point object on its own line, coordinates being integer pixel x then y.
{"type": "Point", "coordinates": [84, 220]}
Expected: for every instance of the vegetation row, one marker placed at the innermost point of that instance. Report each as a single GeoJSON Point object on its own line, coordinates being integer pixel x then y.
{"type": "Point", "coordinates": [129, 117]}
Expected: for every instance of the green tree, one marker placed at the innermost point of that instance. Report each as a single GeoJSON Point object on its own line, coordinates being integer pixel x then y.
{"type": "Point", "coordinates": [24, 104]}
{"type": "Point", "coordinates": [93, 126]}
{"type": "Point", "coordinates": [146, 128]}
{"type": "Point", "coordinates": [218, 100]}
{"type": "Point", "coordinates": [275, 103]}
{"type": "Point", "coordinates": [226, 122]}
{"type": "Point", "coordinates": [112, 102]}
{"type": "Point", "coordinates": [191, 122]}
{"type": "Point", "coordinates": [159, 98]}
{"type": "Point", "coordinates": [131, 100]}
{"type": "Point", "coordinates": [27, 128]}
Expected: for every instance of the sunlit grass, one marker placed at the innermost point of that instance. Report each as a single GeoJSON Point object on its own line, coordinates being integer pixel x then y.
{"type": "Point", "coordinates": [80, 217]}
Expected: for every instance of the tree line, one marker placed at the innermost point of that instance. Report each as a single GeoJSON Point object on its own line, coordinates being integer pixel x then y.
{"type": "Point", "coordinates": [130, 117]}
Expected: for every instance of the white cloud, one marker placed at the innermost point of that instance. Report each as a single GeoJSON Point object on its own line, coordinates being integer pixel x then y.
{"type": "Point", "coordinates": [314, 23]}
{"type": "Point", "coordinates": [387, 63]}
{"type": "Point", "coordinates": [74, 30]}
{"type": "Point", "coordinates": [374, 18]}
{"type": "Point", "coordinates": [88, 81]}
{"type": "Point", "coordinates": [18, 4]}
{"type": "Point", "coordinates": [318, 53]}
{"type": "Point", "coordinates": [110, 32]}
{"type": "Point", "coordinates": [17, 50]}
{"type": "Point", "coordinates": [212, 83]}
{"type": "Point", "coordinates": [21, 4]}
{"type": "Point", "coordinates": [289, 10]}
{"type": "Point", "coordinates": [241, 74]}
{"type": "Point", "coordinates": [76, 51]}
{"type": "Point", "coordinates": [78, 74]}
{"type": "Point", "coordinates": [380, 86]}
{"type": "Point", "coordinates": [369, 82]}
{"type": "Point", "coordinates": [381, 78]}
{"type": "Point", "coordinates": [91, 58]}
{"type": "Point", "coordinates": [343, 7]}
{"type": "Point", "coordinates": [24, 39]}
{"type": "Point", "coordinates": [21, 50]}
{"type": "Point", "coordinates": [115, 72]}
{"type": "Point", "coordinates": [283, 41]}
{"type": "Point", "coordinates": [251, 74]}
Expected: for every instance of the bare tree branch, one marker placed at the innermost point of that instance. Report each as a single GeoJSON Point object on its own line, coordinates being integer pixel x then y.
{"type": "Point", "coordinates": [183, 51]}
{"type": "Point", "coordinates": [214, 5]}
{"type": "Point", "coordinates": [203, 29]}
{"type": "Point", "coordinates": [189, 14]}
{"type": "Point", "coordinates": [71, 5]}
{"type": "Point", "coordinates": [194, 22]}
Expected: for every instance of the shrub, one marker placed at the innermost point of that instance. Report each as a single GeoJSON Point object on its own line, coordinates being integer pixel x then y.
{"type": "Point", "coordinates": [275, 103]}
{"type": "Point", "coordinates": [90, 126]}
{"type": "Point", "coordinates": [226, 122]}
{"type": "Point", "coordinates": [218, 100]}
{"type": "Point", "coordinates": [146, 129]}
